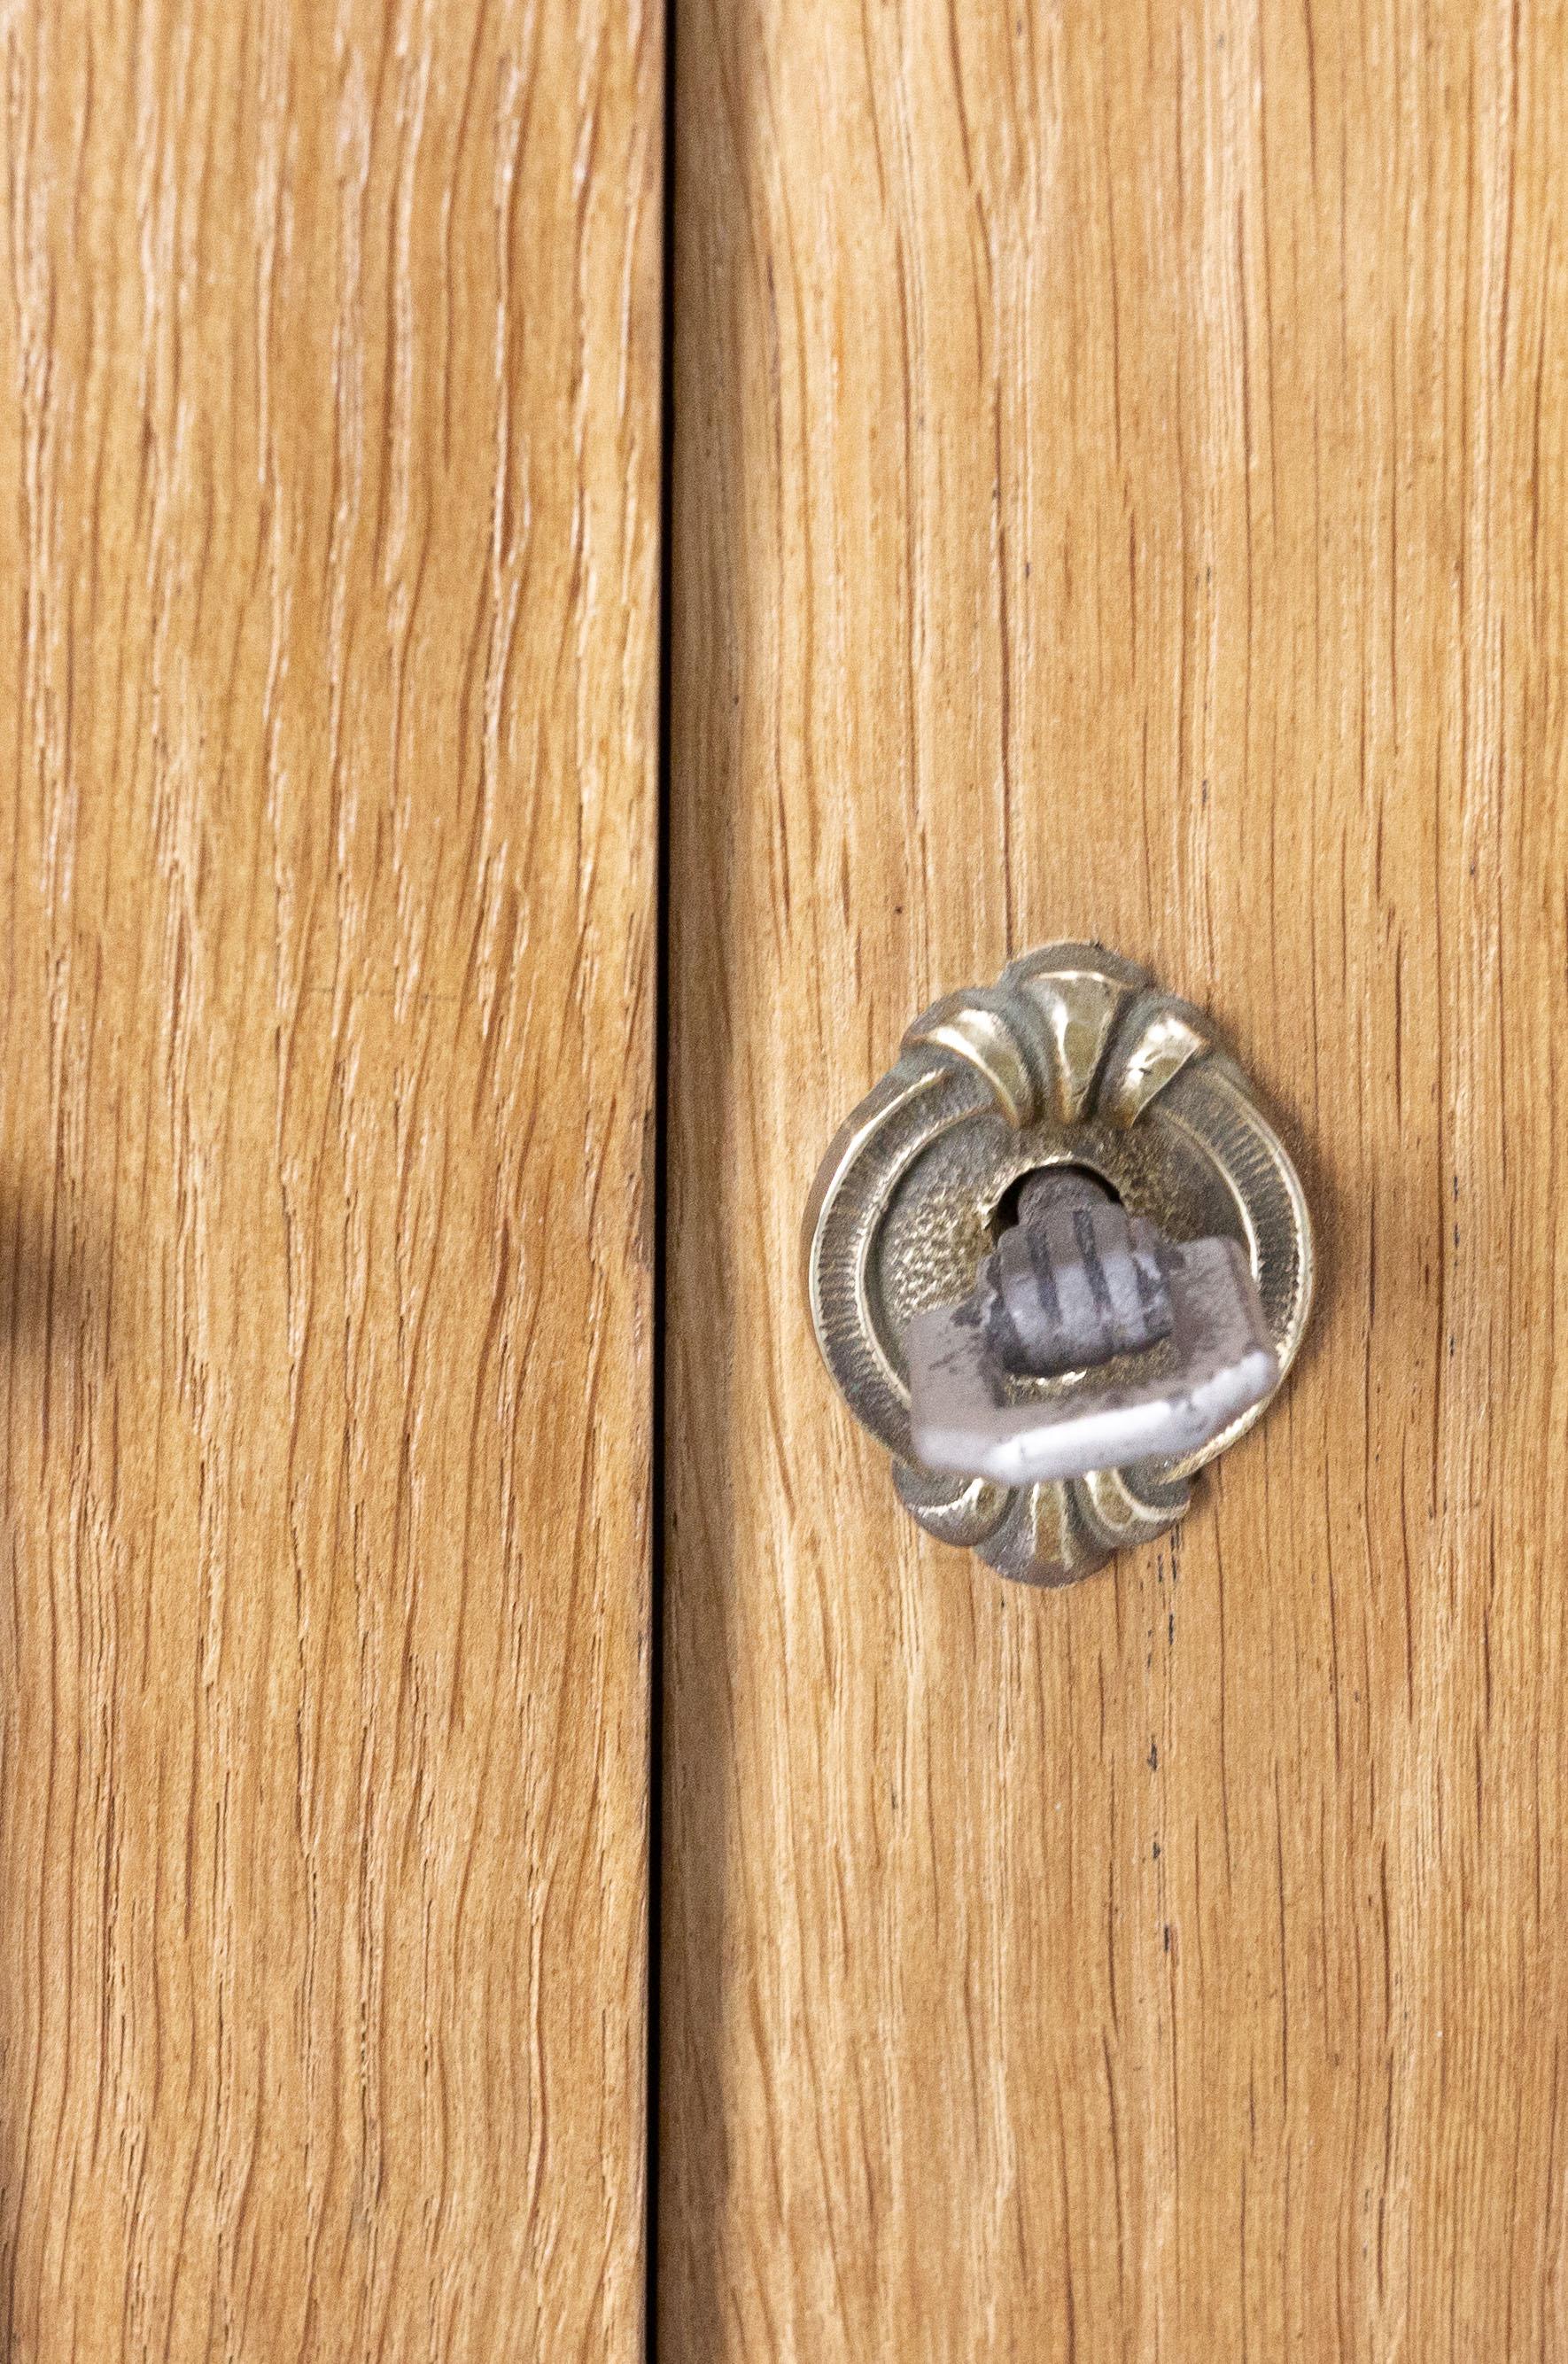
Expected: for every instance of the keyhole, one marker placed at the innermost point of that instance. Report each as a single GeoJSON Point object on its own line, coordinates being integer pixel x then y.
{"type": "Point", "coordinates": [1004, 1213]}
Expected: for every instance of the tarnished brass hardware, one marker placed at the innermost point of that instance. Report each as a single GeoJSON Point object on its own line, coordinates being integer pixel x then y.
{"type": "Point", "coordinates": [1063, 1215]}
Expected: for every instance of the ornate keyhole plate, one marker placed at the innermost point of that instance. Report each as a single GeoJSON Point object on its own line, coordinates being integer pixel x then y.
{"type": "Point", "coordinates": [1073, 1057]}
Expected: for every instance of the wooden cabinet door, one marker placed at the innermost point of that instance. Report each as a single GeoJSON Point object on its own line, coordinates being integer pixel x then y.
{"type": "Point", "coordinates": [1121, 459]}
{"type": "Point", "coordinates": [1115, 487]}
{"type": "Point", "coordinates": [330, 437]}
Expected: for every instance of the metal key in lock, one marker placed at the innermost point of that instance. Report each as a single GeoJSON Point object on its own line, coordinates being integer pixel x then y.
{"type": "Point", "coordinates": [1057, 1260]}
{"type": "Point", "coordinates": [1075, 1286]}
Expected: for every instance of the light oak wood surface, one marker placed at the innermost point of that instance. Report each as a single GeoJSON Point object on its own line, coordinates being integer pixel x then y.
{"type": "Point", "coordinates": [1120, 461]}
{"type": "Point", "coordinates": [330, 435]}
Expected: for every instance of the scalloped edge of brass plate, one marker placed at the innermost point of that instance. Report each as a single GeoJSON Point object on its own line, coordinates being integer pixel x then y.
{"type": "Point", "coordinates": [1077, 1049]}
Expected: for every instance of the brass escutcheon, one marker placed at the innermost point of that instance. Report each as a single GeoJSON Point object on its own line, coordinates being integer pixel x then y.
{"type": "Point", "coordinates": [1074, 1057]}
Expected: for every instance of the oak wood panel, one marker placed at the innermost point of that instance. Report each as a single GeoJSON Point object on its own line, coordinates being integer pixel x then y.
{"type": "Point", "coordinates": [1119, 491]}
{"type": "Point", "coordinates": [329, 433]}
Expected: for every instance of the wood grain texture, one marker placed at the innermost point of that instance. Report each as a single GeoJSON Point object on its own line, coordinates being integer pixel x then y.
{"type": "Point", "coordinates": [329, 429]}
{"type": "Point", "coordinates": [1121, 474]}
